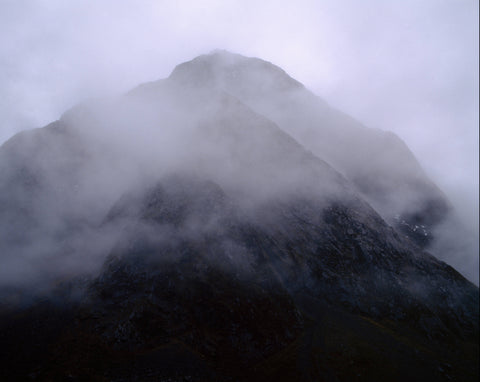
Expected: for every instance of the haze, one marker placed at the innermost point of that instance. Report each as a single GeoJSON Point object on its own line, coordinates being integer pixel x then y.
{"type": "Point", "coordinates": [409, 67]}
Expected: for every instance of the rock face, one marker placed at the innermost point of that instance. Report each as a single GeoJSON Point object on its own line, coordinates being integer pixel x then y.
{"type": "Point", "coordinates": [200, 241]}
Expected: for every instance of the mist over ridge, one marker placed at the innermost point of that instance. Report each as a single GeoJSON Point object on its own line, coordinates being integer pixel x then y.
{"type": "Point", "coordinates": [225, 223]}
{"type": "Point", "coordinates": [232, 119]}
{"type": "Point", "coordinates": [378, 162]}
{"type": "Point", "coordinates": [409, 67]}
{"type": "Point", "coordinates": [301, 204]}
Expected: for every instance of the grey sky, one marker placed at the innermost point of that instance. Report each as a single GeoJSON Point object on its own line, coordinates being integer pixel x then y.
{"type": "Point", "coordinates": [406, 66]}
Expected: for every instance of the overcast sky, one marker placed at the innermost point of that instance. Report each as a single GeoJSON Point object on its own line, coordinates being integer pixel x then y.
{"type": "Point", "coordinates": [408, 66]}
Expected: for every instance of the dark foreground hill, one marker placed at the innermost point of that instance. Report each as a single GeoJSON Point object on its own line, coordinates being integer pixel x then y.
{"type": "Point", "coordinates": [177, 234]}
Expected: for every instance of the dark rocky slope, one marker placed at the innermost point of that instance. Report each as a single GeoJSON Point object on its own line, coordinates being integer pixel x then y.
{"type": "Point", "coordinates": [299, 291]}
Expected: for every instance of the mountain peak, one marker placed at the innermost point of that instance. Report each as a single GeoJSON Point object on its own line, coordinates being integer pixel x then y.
{"type": "Point", "coordinates": [229, 70]}
{"type": "Point", "coordinates": [223, 53]}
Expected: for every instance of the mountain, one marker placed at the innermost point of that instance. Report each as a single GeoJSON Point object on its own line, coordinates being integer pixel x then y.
{"type": "Point", "coordinates": [378, 163]}
{"type": "Point", "coordinates": [224, 224]}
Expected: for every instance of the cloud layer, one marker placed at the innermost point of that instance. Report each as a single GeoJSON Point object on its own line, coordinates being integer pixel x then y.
{"type": "Point", "coordinates": [409, 67]}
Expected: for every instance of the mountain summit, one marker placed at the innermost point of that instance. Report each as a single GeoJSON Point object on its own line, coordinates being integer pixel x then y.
{"type": "Point", "coordinates": [224, 223]}
{"type": "Point", "coordinates": [228, 70]}
{"type": "Point", "coordinates": [378, 163]}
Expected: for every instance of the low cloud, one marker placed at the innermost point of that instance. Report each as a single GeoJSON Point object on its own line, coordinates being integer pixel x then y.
{"type": "Point", "coordinates": [411, 69]}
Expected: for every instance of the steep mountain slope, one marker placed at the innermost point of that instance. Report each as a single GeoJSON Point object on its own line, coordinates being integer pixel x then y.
{"type": "Point", "coordinates": [377, 162]}
{"type": "Point", "coordinates": [182, 235]}
{"type": "Point", "coordinates": [59, 182]}
{"type": "Point", "coordinates": [199, 289]}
